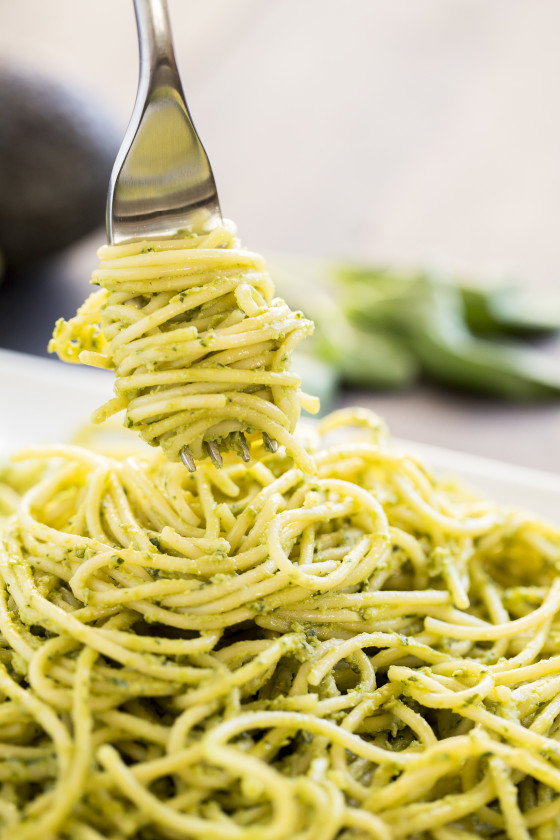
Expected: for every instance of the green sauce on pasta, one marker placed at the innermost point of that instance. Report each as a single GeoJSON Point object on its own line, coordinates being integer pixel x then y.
{"type": "Point", "coordinates": [367, 652]}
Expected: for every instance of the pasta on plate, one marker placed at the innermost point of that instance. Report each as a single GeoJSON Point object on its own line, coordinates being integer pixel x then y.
{"type": "Point", "coordinates": [256, 652]}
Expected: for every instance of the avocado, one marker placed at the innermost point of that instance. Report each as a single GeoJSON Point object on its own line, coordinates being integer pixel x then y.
{"type": "Point", "coordinates": [57, 148]}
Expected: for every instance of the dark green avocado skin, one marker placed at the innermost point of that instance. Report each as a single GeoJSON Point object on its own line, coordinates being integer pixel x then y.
{"type": "Point", "coordinates": [57, 148]}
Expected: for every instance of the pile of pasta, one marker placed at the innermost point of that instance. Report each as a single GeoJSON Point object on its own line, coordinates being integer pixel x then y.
{"type": "Point", "coordinates": [369, 652]}
{"type": "Point", "coordinates": [200, 346]}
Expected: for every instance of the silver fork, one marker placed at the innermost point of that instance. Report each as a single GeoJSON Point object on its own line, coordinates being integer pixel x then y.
{"type": "Point", "coordinates": [162, 180]}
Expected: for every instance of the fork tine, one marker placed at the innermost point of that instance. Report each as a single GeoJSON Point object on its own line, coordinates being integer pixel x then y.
{"type": "Point", "coordinates": [270, 443]}
{"type": "Point", "coordinates": [245, 454]}
{"type": "Point", "coordinates": [215, 456]}
{"type": "Point", "coordinates": [187, 459]}
{"type": "Point", "coordinates": [213, 450]}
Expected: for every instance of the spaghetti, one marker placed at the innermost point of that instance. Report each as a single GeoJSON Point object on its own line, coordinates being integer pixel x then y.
{"type": "Point", "coordinates": [200, 346]}
{"type": "Point", "coordinates": [368, 652]}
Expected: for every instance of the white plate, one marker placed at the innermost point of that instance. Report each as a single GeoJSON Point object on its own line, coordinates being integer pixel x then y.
{"type": "Point", "coordinates": [45, 401]}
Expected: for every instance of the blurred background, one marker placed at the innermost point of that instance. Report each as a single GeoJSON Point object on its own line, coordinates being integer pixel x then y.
{"type": "Point", "coordinates": [421, 136]}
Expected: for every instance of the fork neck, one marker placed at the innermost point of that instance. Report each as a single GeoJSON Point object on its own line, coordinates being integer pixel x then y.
{"type": "Point", "coordinates": [157, 55]}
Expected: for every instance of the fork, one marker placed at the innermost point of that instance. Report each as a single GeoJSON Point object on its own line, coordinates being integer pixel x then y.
{"type": "Point", "coordinates": [162, 180]}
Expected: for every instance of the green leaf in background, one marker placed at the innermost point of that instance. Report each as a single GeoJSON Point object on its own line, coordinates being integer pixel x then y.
{"type": "Point", "coordinates": [362, 357]}
{"type": "Point", "coordinates": [365, 358]}
{"type": "Point", "coordinates": [491, 308]}
{"type": "Point", "coordinates": [479, 305]}
{"type": "Point", "coordinates": [381, 328]}
{"type": "Point", "coordinates": [317, 378]}
{"type": "Point", "coordinates": [523, 313]}
{"type": "Point", "coordinates": [449, 353]}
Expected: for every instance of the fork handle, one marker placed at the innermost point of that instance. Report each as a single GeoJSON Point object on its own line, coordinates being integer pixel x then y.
{"type": "Point", "coordinates": [157, 54]}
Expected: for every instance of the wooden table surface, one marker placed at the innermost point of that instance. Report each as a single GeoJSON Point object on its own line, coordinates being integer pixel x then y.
{"type": "Point", "coordinates": [416, 132]}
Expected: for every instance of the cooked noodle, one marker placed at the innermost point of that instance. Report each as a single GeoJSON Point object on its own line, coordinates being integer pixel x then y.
{"type": "Point", "coordinates": [256, 653]}
{"type": "Point", "coordinates": [200, 346]}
